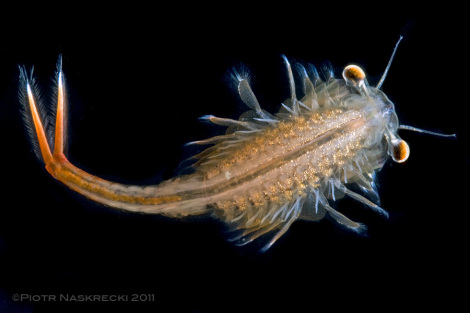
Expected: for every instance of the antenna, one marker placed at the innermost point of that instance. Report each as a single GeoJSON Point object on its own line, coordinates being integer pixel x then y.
{"type": "Point", "coordinates": [389, 64]}
{"type": "Point", "coordinates": [406, 127]}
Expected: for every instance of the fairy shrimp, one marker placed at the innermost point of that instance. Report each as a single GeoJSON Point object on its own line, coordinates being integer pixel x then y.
{"type": "Point", "coordinates": [268, 170]}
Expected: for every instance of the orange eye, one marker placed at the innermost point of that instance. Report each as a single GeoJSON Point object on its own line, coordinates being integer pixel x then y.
{"type": "Point", "coordinates": [400, 150]}
{"type": "Point", "coordinates": [354, 75]}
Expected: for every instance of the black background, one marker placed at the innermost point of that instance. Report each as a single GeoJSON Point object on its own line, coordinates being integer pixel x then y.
{"type": "Point", "coordinates": [138, 80]}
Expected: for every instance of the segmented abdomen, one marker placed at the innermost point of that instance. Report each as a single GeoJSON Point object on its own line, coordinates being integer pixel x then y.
{"type": "Point", "coordinates": [259, 173]}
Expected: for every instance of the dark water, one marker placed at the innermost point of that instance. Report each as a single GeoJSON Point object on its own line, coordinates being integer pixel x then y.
{"type": "Point", "coordinates": [136, 90]}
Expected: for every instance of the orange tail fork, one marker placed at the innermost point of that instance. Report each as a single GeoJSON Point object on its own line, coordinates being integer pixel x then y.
{"type": "Point", "coordinates": [51, 159]}
{"type": "Point", "coordinates": [131, 198]}
{"type": "Point", "coordinates": [55, 162]}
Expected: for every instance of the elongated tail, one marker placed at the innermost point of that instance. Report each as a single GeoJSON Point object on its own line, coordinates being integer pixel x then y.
{"type": "Point", "coordinates": [177, 197]}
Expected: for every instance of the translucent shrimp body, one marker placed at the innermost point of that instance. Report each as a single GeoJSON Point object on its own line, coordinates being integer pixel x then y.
{"type": "Point", "coordinates": [268, 170]}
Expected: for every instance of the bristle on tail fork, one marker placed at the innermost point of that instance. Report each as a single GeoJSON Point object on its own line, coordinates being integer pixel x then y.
{"type": "Point", "coordinates": [46, 127]}
{"type": "Point", "coordinates": [34, 116]}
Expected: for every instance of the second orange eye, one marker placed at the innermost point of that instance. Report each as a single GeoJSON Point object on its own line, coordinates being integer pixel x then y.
{"type": "Point", "coordinates": [401, 151]}
{"type": "Point", "coordinates": [353, 74]}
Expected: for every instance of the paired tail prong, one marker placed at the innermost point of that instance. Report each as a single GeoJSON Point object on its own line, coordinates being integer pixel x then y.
{"type": "Point", "coordinates": [36, 118]}
{"type": "Point", "coordinates": [60, 126]}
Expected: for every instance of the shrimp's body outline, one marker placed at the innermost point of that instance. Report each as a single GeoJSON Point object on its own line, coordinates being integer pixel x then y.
{"type": "Point", "coordinates": [268, 170]}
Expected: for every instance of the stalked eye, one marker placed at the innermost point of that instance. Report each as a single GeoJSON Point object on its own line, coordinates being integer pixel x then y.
{"type": "Point", "coordinates": [400, 150]}
{"type": "Point", "coordinates": [354, 75]}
